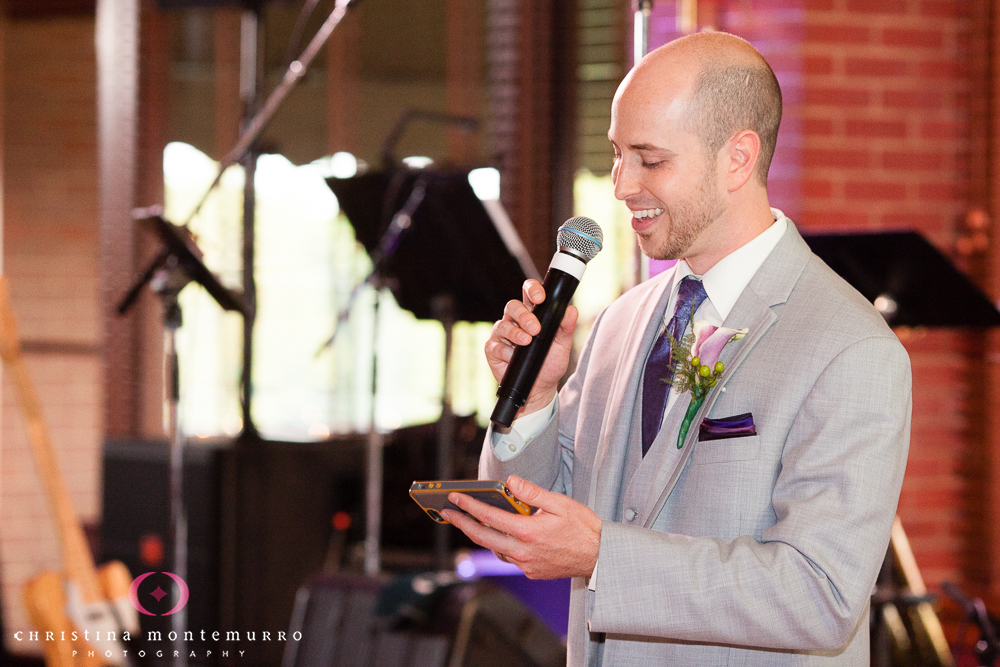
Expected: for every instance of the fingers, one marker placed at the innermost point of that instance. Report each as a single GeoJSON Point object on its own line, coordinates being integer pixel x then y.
{"type": "Point", "coordinates": [545, 545]}
{"type": "Point", "coordinates": [517, 326]}
{"type": "Point", "coordinates": [494, 517]}
{"type": "Point", "coordinates": [568, 324]}
{"type": "Point", "coordinates": [482, 535]}
{"type": "Point", "coordinates": [532, 293]}
{"type": "Point", "coordinates": [535, 495]}
{"type": "Point", "coordinates": [485, 525]}
{"type": "Point", "coordinates": [519, 314]}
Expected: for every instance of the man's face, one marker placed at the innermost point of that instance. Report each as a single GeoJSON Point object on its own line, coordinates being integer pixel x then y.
{"type": "Point", "coordinates": [662, 172]}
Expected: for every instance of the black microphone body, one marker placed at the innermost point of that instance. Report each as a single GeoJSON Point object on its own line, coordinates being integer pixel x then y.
{"type": "Point", "coordinates": [528, 359]}
{"type": "Point", "coordinates": [579, 240]}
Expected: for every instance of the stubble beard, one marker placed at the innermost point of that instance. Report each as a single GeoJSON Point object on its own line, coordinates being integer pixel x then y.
{"type": "Point", "coordinates": [684, 222]}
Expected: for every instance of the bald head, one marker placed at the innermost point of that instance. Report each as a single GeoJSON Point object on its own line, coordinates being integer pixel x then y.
{"type": "Point", "coordinates": [728, 87]}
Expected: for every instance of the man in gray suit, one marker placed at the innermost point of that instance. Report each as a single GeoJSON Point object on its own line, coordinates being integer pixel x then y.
{"type": "Point", "coordinates": [755, 538]}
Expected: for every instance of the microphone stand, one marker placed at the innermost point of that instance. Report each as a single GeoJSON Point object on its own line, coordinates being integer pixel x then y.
{"type": "Point", "coordinates": [988, 647]}
{"type": "Point", "coordinates": [640, 30]}
{"type": "Point", "coordinates": [640, 47]}
{"type": "Point", "coordinates": [444, 312]}
{"type": "Point", "coordinates": [178, 264]}
{"type": "Point", "coordinates": [296, 70]}
{"type": "Point", "coordinates": [387, 247]}
{"type": "Point", "coordinates": [388, 150]}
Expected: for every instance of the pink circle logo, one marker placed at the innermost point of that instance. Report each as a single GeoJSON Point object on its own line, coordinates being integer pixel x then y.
{"type": "Point", "coordinates": [158, 593]}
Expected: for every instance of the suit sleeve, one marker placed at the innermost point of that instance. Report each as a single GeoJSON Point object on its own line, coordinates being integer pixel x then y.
{"type": "Point", "coordinates": [547, 459]}
{"type": "Point", "coordinates": [807, 582]}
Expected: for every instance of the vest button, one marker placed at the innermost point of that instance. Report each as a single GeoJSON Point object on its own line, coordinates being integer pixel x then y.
{"type": "Point", "coordinates": [630, 514]}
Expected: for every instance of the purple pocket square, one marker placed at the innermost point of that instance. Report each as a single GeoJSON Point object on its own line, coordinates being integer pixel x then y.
{"type": "Point", "coordinates": [739, 426]}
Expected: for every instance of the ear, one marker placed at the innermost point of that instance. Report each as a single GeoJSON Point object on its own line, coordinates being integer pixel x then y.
{"type": "Point", "coordinates": [741, 153]}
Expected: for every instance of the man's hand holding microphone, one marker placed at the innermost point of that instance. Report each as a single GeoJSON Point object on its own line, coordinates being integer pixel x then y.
{"type": "Point", "coordinates": [528, 353]}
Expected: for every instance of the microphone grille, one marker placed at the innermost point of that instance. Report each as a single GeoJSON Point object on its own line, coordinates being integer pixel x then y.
{"type": "Point", "coordinates": [583, 235]}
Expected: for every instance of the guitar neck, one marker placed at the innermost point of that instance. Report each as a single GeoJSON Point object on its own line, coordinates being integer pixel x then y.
{"type": "Point", "coordinates": [77, 560]}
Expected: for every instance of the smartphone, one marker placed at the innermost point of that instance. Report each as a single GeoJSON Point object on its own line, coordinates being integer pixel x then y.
{"type": "Point", "coordinates": [433, 496]}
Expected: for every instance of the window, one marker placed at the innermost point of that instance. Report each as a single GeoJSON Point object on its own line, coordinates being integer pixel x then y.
{"type": "Point", "coordinates": [307, 265]}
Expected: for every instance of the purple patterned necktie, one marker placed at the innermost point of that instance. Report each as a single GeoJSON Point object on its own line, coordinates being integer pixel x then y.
{"type": "Point", "coordinates": [659, 369]}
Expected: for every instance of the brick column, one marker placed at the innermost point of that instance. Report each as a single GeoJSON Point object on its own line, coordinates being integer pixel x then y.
{"type": "Point", "coordinates": [465, 67]}
{"type": "Point", "coordinates": [153, 113]}
{"type": "Point", "coordinates": [343, 84]}
{"type": "Point", "coordinates": [228, 107]}
{"type": "Point", "coordinates": [50, 252]}
{"type": "Point", "coordinates": [3, 81]}
{"type": "Point", "coordinates": [976, 556]}
{"type": "Point", "coordinates": [986, 13]}
{"type": "Point", "coordinates": [527, 65]}
{"type": "Point", "coordinates": [117, 107]}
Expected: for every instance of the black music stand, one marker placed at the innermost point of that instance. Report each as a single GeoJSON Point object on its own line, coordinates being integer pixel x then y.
{"type": "Point", "coordinates": [909, 280]}
{"type": "Point", "coordinates": [913, 285]}
{"type": "Point", "coordinates": [444, 257]}
{"type": "Point", "coordinates": [178, 264]}
{"type": "Point", "coordinates": [453, 246]}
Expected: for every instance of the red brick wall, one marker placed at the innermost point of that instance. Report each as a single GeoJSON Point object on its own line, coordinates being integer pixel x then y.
{"type": "Point", "coordinates": [875, 135]}
{"type": "Point", "coordinates": [50, 259]}
{"type": "Point", "coordinates": [775, 28]}
{"type": "Point", "coordinates": [884, 113]}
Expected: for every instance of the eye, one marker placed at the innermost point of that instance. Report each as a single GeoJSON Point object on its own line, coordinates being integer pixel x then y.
{"type": "Point", "coordinates": [651, 165]}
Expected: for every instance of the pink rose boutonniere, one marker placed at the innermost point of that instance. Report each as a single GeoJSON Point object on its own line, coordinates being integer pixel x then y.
{"type": "Point", "coordinates": [698, 367]}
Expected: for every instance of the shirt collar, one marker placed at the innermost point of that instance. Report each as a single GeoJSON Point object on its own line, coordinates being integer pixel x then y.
{"type": "Point", "coordinates": [725, 281]}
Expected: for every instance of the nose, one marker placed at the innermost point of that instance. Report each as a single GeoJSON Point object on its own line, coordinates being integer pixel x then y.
{"type": "Point", "coordinates": [624, 177]}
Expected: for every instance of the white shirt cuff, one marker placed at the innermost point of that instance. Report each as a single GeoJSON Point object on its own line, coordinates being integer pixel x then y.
{"type": "Point", "coordinates": [592, 582]}
{"type": "Point", "coordinates": [508, 445]}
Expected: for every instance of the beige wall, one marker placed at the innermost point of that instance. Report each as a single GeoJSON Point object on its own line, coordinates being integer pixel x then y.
{"type": "Point", "coordinates": [50, 258]}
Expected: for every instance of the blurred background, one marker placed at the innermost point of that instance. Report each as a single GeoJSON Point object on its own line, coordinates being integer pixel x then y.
{"type": "Point", "coordinates": [890, 123]}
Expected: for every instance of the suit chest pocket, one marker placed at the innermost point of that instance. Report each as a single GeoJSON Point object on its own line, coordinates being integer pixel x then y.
{"type": "Point", "coordinates": [726, 451]}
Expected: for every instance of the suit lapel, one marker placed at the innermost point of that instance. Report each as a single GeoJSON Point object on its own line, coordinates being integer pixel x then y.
{"type": "Point", "coordinates": [752, 314]}
{"type": "Point", "coordinates": [613, 440]}
{"type": "Point", "coordinates": [769, 287]}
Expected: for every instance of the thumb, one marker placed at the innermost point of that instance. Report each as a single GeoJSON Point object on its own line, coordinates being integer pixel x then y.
{"type": "Point", "coordinates": [564, 336]}
{"type": "Point", "coordinates": [533, 495]}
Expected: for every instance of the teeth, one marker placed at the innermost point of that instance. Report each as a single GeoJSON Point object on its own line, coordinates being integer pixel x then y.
{"type": "Point", "coordinates": [648, 213]}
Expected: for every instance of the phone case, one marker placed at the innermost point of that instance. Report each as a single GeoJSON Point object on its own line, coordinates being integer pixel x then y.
{"type": "Point", "coordinates": [432, 496]}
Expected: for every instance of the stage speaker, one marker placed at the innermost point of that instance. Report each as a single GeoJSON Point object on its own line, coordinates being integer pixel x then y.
{"type": "Point", "coordinates": [424, 620]}
{"type": "Point", "coordinates": [136, 519]}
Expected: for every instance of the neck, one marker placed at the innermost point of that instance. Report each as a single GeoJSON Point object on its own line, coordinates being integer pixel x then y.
{"type": "Point", "coordinates": [737, 226]}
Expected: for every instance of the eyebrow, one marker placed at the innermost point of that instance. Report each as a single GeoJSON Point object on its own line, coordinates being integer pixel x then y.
{"type": "Point", "coordinates": [647, 147]}
{"type": "Point", "coordinates": [650, 147]}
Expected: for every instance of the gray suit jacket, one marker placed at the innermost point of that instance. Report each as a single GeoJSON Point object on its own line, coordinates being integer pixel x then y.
{"type": "Point", "coordinates": [759, 550]}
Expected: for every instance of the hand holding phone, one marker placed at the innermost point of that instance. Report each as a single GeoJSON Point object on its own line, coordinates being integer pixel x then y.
{"type": "Point", "coordinates": [432, 496]}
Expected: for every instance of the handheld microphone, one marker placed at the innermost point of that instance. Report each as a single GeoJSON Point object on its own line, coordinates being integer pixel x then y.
{"type": "Point", "coordinates": [579, 240]}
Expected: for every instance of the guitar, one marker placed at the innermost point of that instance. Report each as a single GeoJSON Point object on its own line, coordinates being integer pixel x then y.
{"type": "Point", "coordinates": [82, 612]}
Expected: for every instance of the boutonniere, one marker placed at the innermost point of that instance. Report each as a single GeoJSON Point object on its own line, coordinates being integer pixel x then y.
{"type": "Point", "coordinates": [698, 367]}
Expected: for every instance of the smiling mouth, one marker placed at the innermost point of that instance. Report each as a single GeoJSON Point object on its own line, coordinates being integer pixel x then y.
{"type": "Point", "coordinates": [647, 213]}
{"type": "Point", "coordinates": [645, 219]}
